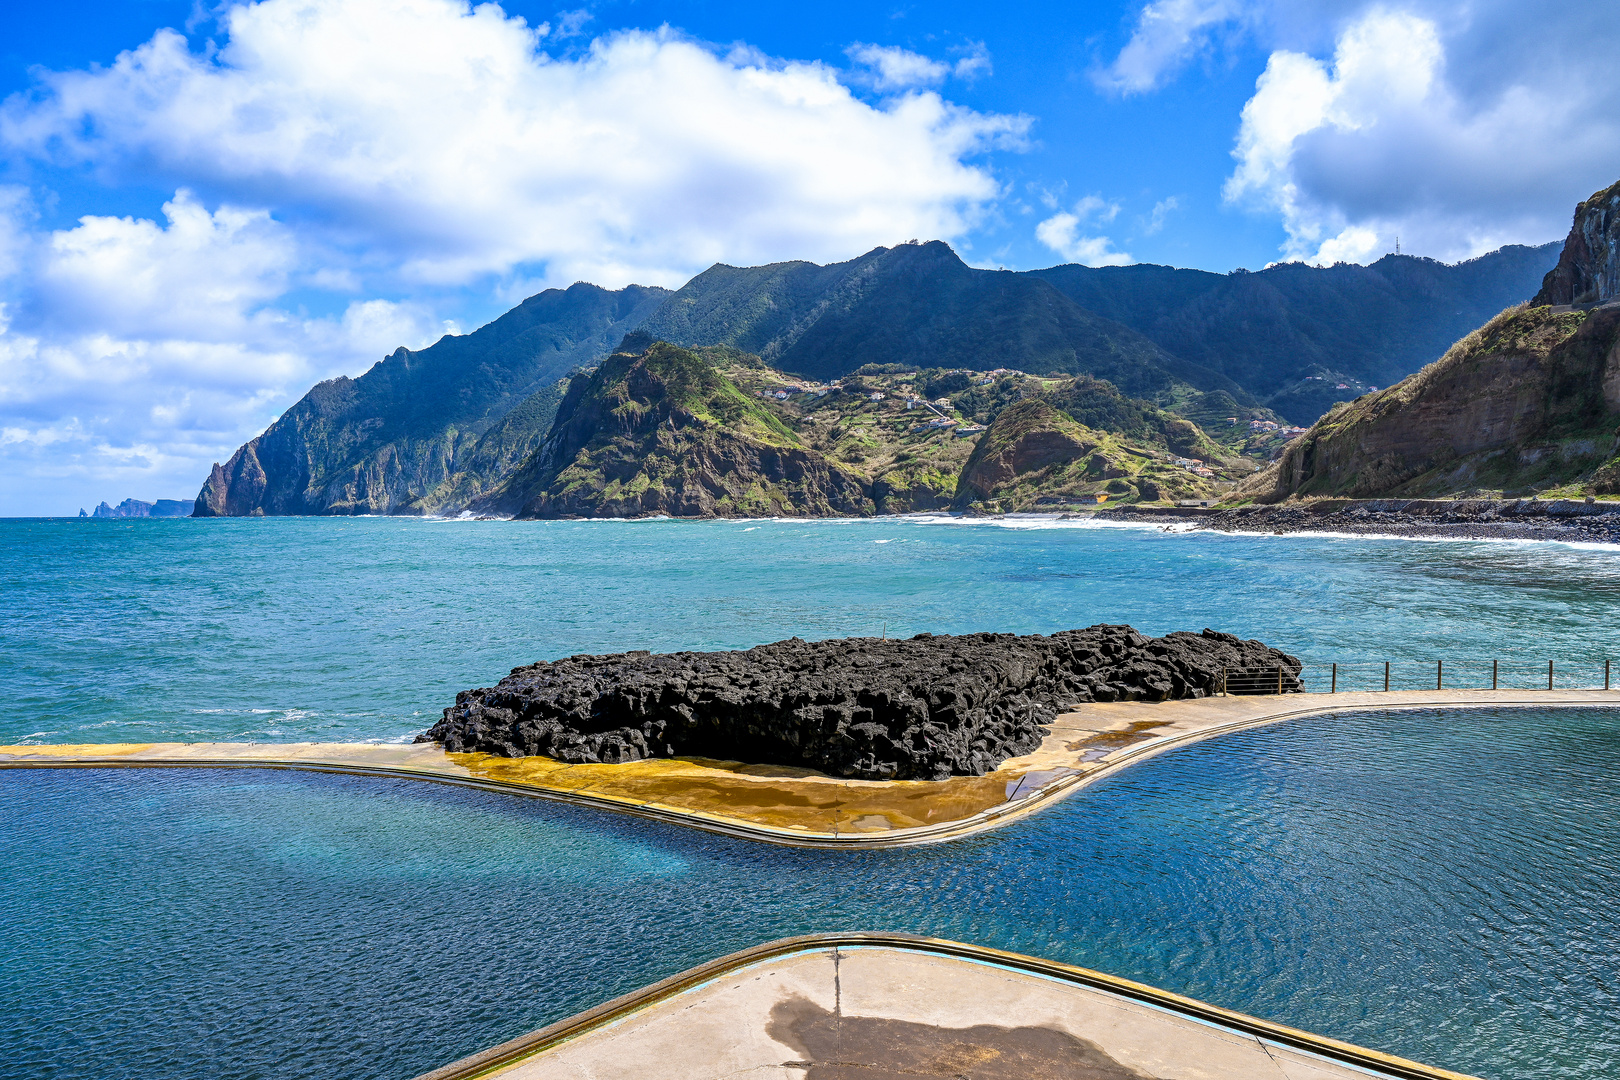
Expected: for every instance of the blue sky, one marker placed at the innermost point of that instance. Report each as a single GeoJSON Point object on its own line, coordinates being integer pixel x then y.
{"type": "Point", "coordinates": [206, 208]}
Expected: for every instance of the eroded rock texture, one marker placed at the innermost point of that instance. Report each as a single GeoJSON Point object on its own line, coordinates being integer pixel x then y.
{"type": "Point", "coordinates": [1588, 270]}
{"type": "Point", "coordinates": [920, 709]}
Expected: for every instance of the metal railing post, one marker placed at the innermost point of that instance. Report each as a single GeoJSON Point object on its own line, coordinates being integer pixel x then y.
{"type": "Point", "coordinates": [1439, 673]}
{"type": "Point", "coordinates": [1386, 676]}
{"type": "Point", "coordinates": [1549, 674]}
{"type": "Point", "coordinates": [1493, 674]}
{"type": "Point", "coordinates": [1333, 687]}
{"type": "Point", "coordinates": [1279, 678]}
{"type": "Point", "coordinates": [1605, 674]}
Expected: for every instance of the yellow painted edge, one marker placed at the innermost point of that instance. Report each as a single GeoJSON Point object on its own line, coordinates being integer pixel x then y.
{"type": "Point", "coordinates": [994, 817]}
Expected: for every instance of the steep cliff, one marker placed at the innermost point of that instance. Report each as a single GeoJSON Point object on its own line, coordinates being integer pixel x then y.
{"type": "Point", "coordinates": [1529, 402]}
{"type": "Point", "coordinates": [425, 432]}
{"type": "Point", "coordinates": [665, 432]}
{"type": "Point", "coordinates": [1588, 270]}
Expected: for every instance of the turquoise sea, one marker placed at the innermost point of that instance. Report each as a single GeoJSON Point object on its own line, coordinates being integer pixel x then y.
{"type": "Point", "coordinates": [1439, 885]}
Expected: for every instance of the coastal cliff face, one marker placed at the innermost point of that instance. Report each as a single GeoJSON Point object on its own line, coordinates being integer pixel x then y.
{"type": "Point", "coordinates": [425, 432]}
{"type": "Point", "coordinates": [1588, 270]}
{"type": "Point", "coordinates": [664, 432]}
{"type": "Point", "coordinates": [921, 709]}
{"type": "Point", "coordinates": [1529, 402]}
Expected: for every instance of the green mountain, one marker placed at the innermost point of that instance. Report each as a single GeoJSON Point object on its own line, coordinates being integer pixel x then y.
{"type": "Point", "coordinates": [665, 432]}
{"type": "Point", "coordinates": [918, 304]}
{"type": "Point", "coordinates": [426, 432]}
{"type": "Point", "coordinates": [1292, 333]}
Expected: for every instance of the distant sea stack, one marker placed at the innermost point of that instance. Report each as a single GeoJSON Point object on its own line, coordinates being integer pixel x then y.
{"type": "Point", "coordinates": [131, 508]}
{"type": "Point", "coordinates": [924, 708]}
{"type": "Point", "coordinates": [1527, 403]}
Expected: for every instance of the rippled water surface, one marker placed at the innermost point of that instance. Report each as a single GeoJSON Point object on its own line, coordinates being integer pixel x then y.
{"type": "Point", "coordinates": [1435, 884]}
{"type": "Point", "coordinates": [285, 629]}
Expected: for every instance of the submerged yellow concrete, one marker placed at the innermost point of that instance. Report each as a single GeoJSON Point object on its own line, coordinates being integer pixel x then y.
{"type": "Point", "coordinates": [842, 1007]}
{"type": "Point", "coordinates": [798, 805]}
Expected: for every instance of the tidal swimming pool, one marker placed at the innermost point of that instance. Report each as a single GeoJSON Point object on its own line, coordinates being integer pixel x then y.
{"type": "Point", "coordinates": [1436, 884]}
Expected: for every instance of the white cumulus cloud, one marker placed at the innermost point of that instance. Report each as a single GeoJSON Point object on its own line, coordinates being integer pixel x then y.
{"type": "Point", "coordinates": [447, 138]}
{"type": "Point", "coordinates": [889, 67]}
{"type": "Point", "coordinates": [351, 150]}
{"type": "Point", "coordinates": [1166, 35]}
{"type": "Point", "coordinates": [1065, 233]}
{"type": "Point", "coordinates": [1380, 141]}
{"type": "Point", "coordinates": [142, 351]}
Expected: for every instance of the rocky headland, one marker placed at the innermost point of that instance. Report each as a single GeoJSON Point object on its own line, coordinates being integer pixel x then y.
{"type": "Point", "coordinates": [924, 708]}
{"type": "Point", "coordinates": [1571, 520]}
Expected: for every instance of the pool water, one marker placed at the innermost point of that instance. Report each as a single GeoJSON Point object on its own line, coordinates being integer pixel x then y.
{"type": "Point", "coordinates": [1437, 884]}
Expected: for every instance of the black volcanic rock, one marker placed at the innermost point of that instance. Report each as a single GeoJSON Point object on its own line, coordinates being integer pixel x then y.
{"type": "Point", "coordinates": [919, 709]}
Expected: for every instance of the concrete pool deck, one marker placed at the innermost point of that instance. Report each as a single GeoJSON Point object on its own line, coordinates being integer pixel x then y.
{"type": "Point", "coordinates": [798, 806]}
{"type": "Point", "coordinates": [886, 1006]}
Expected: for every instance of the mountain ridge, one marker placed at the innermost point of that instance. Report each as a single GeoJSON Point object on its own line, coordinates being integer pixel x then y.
{"type": "Point", "coordinates": [435, 430]}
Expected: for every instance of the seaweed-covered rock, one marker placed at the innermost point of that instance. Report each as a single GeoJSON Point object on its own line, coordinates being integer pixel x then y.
{"type": "Point", "coordinates": [919, 709]}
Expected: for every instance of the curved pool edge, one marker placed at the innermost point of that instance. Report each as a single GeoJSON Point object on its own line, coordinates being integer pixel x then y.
{"type": "Point", "coordinates": [904, 992]}
{"type": "Point", "coordinates": [1119, 735]}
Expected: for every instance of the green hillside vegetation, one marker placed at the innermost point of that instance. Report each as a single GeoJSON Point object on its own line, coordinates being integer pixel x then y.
{"type": "Point", "coordinates": [665, 432]}
{"type": "Point", "coordinates": [1037, 457]}
{"type": "Point", "coordinates": [703, 433]}
{"type": "Point", "coordinates": [1527, 404]}
{"type": "Point", "coordinates": [916, 304]}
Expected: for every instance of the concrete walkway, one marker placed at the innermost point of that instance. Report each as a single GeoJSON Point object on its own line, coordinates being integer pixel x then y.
{"type": "Point", "coordinates": [884, 1006]}
{"type": "Point", "coordinates": [802, 807]}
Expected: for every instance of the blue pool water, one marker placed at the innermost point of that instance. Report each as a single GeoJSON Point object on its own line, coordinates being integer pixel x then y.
{"type": "Point", "coordinates": [288, 629]}
{"type": "Point", "coordinates": [1439, 885]}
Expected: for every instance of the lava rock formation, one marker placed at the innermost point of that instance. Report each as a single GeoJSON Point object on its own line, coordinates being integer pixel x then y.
{"type": "Point", "coordinates": [920, 709]}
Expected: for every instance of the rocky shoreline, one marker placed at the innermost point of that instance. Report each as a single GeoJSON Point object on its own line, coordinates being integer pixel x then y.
{"type": "Point", "coordinates": [923, 708]}
{"type": "Point", "coordinates": [1466, 519]}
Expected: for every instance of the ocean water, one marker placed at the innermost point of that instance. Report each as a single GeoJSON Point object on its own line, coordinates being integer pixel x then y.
{"type": "Point", "coordinates": [1439, 885]}
{"type": "Point", "coordinates": [356, 629]}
